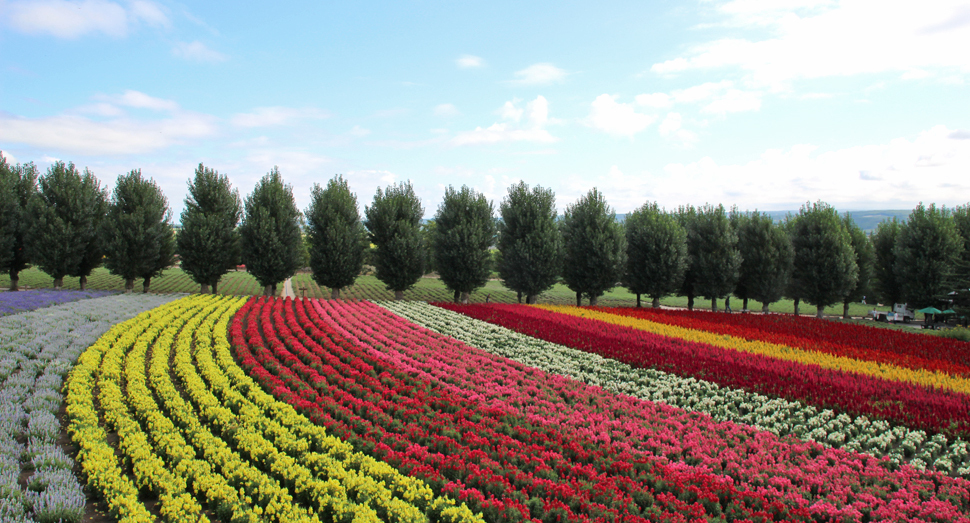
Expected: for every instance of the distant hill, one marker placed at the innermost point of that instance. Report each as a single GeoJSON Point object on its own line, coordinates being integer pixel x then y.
{"type": "Point", "coordinates": [866, 220]}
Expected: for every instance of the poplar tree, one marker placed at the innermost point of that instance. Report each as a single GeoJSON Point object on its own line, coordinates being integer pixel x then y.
{"type": "Point", "coordinates": [825, 262]}
{"type": "Point", "coordinates": [464, 231]}
{"type": "Point", "coordinates": [65, 217]}
{"type": "Point", "coordinates": [927, 252]}
{"type": "Point", "coordinates": [336, 238]}
{"type": "Point", "coordinates": [24, 184]}
{"type": "Point", "coordinates": [961, 218]}
{"type": "Point", "coordinates": [686, 216]}
{"type": "Point", "coordinates": [529, 242]}
{"type": "Point", "coordinates": [8, 214]}
{"type": "Point", "coordinates": [656, 253]}
{"type": "Point", "coordinates": [137, 232]}
{"type": "Point", "coordinates": [208, 244]}
{"type": "Point", "coordinates": [594, 247]}
{"type": "Point", "coordinates": [864, 258]}
{"type": "Point", "coordinates": [766, 259]}
{"type": "Point", "coordinates": [393, 222]}
{"type": "Point", "coordinates": [270, 233]}
{"type": "Point", "coordinates": [886, 284]}
{"type": "Point", "coordinates": [716, 255]}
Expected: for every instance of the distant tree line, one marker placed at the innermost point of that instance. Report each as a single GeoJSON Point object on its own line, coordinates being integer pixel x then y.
{"type": "Point", "coordinates": [65, 224]}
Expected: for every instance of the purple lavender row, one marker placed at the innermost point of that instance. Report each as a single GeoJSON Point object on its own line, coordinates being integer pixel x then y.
{"type": "Point", "coordinates": [22, 301]}
{"type": "Point", "coordinates": [37, 350]}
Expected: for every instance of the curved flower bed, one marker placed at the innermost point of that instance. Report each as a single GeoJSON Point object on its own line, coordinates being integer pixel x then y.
{"type": "Point", "coordinates": [931, 410]}
{"type": "Point", "coordinates": [22, 301]}
{"type": "Point", "coordinates": [776, 415]}
{"type": "Point", "coordinates": [37, 350]}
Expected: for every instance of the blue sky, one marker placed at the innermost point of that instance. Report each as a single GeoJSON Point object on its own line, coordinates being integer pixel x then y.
{"type": "Point", "coordinates": [762, 104]}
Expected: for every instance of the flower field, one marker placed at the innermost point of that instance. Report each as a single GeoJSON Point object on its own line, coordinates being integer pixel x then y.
{"type": "Point", "coordinates": [219, 408]}
{"type": "Point", "coordinates": [14, 302]}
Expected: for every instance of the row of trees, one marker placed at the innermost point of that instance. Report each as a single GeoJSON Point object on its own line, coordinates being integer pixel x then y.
{"type": "Point", "coordinates": [64, 223]}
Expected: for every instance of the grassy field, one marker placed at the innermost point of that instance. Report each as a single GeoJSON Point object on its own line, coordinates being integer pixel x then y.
{"type": "Point", "coordinates": [370, 288]}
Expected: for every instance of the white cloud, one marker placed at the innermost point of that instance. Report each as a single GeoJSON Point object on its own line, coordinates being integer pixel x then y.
{"type": "Point", "coordinates": [655, 100]}
{"type": "Point", "coordinates": [197, 52]}
{"type": "Point", "coordinates": [446, 110]}
{"type": "Point", "coordinates": [358, 131]}
{"type": "Point", "coordinates": [734, 101]}
{"type": "Point", "coordinates": [121, 136]}
{"type": "Point", "coordinates": [71, 19]}
{"type": "Point", "coordinates": [823, 39]}
{"type": "Point", "coordinates": [617, 118]}
{"type": "Point", "coordinates": [539, 74]}
{"type": "Point", "coordinates": [467, 61]}
{"type": "Point", "coordinates": [140, 100]}
{"type": "Point", "coordinates": [273, 116]}
{"type": "Point", "coordinates": [11, 159]}
{"type": "Point", "coordinates": [537, 112]}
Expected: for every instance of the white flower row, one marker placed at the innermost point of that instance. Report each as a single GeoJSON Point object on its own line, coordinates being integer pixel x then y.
{"type": "Point", "coordinates": [37, 350]}
{"type": "Point", "coordinates": [878, 438]}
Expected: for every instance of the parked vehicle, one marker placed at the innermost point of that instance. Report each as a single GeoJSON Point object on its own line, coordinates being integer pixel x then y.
{"type": "Point", "coordinates": [899, 312]}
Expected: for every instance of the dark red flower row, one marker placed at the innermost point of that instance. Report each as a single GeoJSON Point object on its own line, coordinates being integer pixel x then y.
{"type": "Point", "coordinates": [496, 461]}
{"type": "Point", "coordinates": [932, 410]}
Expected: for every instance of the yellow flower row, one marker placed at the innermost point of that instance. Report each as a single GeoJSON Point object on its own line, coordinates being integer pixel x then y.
{"type": "Point", "coordinates": [249, 456]}
{"type": "Point", "coordinates": [824, 360]}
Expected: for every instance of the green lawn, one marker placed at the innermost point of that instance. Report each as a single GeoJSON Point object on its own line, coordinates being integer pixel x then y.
{"type": "Point", "coordinates": [171, 281]}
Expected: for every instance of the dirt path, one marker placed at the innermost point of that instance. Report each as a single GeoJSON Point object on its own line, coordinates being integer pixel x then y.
{"type": "Point", "coordinates": [288, 288]}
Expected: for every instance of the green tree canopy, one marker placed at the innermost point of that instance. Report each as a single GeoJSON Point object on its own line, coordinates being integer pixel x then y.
{"type": "Point", "coordinates": [529, 242]}
{"type": "Point", "coordinates": [656, 253]}
{"type": "Point", "coordinates": [927, 252]}
{"type": "Point", "coordinates": [270, 233]}
{"type": "Point", "coordinates": [336, 238]}
{"type": "Point", "coordinates": [137, 232]}
{"type": "Point", "coordinates": [594, 247]}
{"type": "Point", "coordinates": [394, 222]}
{"type": "Point", "coordinates": [885, 282]}
{"type": "Point", "coordinates": [825, 262]}
{"type": "Point", "coordinates": [25, 187]}
{"type": "Point", "coordinates": [961, 218]}
{"type": "Point", "coordinates": [8, 214]}
{"type": "Point", "coordinates": [464, 232]}
{"type": "Point", "coordinates": [65, 216]}
{"type": "Point", "coordinates": [865, 256]}
{"type": "Point", "coordinates": [766, 259]}
{"type": "Point", "coordinates": [208, 244]}
{"type": "Point", "coordinates": [716, 256]}
{"type": "Point", "coordinates": [686, 216]}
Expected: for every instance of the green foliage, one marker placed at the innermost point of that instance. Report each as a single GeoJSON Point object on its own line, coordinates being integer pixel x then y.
{"type": "Point", "coordinates": [208, 244]}
{"type": "Point", "coordinates": [686, 215]}
{"type": "Point", "coordinates": [65, 216]}
{"type": "Point", "coordinates": [927, 252]}
{"type": "Point", "coordinates": [594, 247]}
{"type": "Point", "coordinates": [865, 256]}
{"type": "Point", "coordinates": [393, 221]}
{"type": "Point", "coordinates": [336, 238]}
{"type": "Point", "coordinates": [656, 252]}
{"type": "Point", "coordinates": [428, 228]}
{"type": "Point", "coordinates": [714, 247]}
{"type": "Point", "coordinates": [464, 231]}
{"type": "Point", "coordinates": [956, 333]}
{"type": "Point", "coordinates": [137, 232]}
{"type": "Point", "coordinates": [529, 242]}
{"type": "Point", "coordinates": [961, 218]}
{"type": "Point", "coordinates": [8, 214]}
{"type": "Point", "coordinates": [766, 258]}
{"type": "Point", "coordinates": [885, 282]}
{"type": "Point", "coordinates": [825, 268]}
{"type": "Point", "coordinates": [270, 234]}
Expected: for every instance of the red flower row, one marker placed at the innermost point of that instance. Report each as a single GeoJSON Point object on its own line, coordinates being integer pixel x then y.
{"type": "Point", "coordinates": [932, 410]}
{"type": "Point", "coordinates": [904, 349]}
{"type": "Point", "coordinates": [494, 459]}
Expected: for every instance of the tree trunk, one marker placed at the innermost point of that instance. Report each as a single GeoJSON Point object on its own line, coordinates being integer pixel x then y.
{"type": "Point", "coordinates": [14, 280]}
{"type": "Point", "coordinates": [845, 310]}
{"type": "Point", "coordinates": [744, 304]}
{"type": "Point", "coordinates": [593, 300]}
{"type": "Point", "coordinates": [465, 297]}
{"type": "Point", "coordinates": [713, 304]}
{"type": "Point", "coordinates": [638, 300]}
{"type": "Point", "coordinates": [274, 290]}
{"type": "Point", "coordinates": [204, 289]}
{"type": "Point", "coordinates": [531, 298]}
{"type": "Point", "coordinates": [764, 308]}
{"type": "Point", "coordinates": [58, 283]}
{"type": "Point", "coordinates": [398, 295]}
{"type": "Point", "coordinates": [129, 285]}
{"type": "Point", "coordinates": [268, 290]}
{"type": "Point", "coordinates": [519, 294]}
{"type": "Point", "coordinates": [796, 306]}
{"type": "Point", "coordinates": [334, 294]}
{"type": "Point", "coordinates": [579, 299]}
{"type": "Point", "coordinates": [83, 283]}
{"type": "Point", "coordinates": [690, 302]}
{"type": "Point", "coordinates": [457, 296]}
{"type": "Point", "coordinates": [215, 287]}
{"type": "Point", "coordinates": [820, 312]}
{"type": "Point", "coordinates": [656, 303]}
{"type": "Point", "coordinates": [146, 284]}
